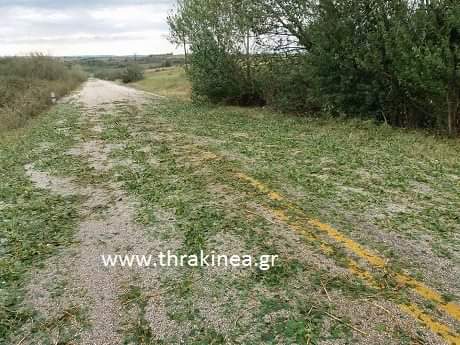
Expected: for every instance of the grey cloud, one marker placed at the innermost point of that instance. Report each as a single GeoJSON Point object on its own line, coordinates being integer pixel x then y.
{"type": "Point", "coordinates": [58, 40]}
{"type": "Point", "coordinates": [53, 22]}
{"type": "Point", "coordinates": [82, 23]}
{"type": "Point", "coordinates": [57, 4]}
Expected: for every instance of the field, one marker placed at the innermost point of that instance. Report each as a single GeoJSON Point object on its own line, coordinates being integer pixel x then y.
{"type": "Point", "coordinates": [364, 220]}
{"type": "Point", "coordinates": [112, 67]}
{"type": "Point", "coordinates": [168, 82]}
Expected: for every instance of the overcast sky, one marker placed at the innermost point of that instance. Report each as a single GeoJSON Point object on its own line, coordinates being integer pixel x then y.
{"type": "Point", "coordinates": [84, 27]}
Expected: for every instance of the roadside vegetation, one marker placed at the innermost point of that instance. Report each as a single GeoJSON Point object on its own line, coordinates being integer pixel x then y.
{"type": "Point", "coordinates": [132, 73]}
{"type": "Point", "coordinates": [35, 224]}
{"type": "Point", "coordinates": [394, 191]}
{"type": "Point", "coordinates": [392, 61]}
{"type": "Point", "coordinates": [378, 185]}
{"type": "Point", "coordinates": [26, 85]}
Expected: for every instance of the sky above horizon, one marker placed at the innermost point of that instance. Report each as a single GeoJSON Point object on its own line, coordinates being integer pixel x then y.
{"type": "Point", "coordinates": [85, 27]}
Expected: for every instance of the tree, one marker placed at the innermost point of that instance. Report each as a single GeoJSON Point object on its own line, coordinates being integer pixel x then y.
{"type": "Point", "coordinates": [132, 73]}
{"type": "Point", "coordinates": [178, 30]}
{"type": "Point", "coordinates": [394, 60]}
{"type": "Point", "coordinates": [218, 34]}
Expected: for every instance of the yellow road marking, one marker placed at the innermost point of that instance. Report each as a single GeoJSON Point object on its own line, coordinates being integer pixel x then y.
{"type": "Point", "coordinates": [325, 247]}
{"type": "Point", "coordinates": [410, 309]}
{"type": "Point", "coordinates": [421, 289]}
{"type": "Point", "coordinates": [450, 308]}
{"type": "Point", "coordinates": [435, 326]}
{"type": "Point", "coordinates": [376, 261]}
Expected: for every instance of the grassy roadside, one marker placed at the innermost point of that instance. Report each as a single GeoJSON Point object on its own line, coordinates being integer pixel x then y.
{"type": "Point", "coordinates": [34, 223]}
{"type": "Point", "coordinates": [380, 185]}
{"type": "Point", "coordinates": [26, 85]}
{"type": "Point", "coordinates": [183, 159]}
{"type": "Point", "coordinates": [394, 191]}
{"type": "Point", "coordinates": [169, 175]}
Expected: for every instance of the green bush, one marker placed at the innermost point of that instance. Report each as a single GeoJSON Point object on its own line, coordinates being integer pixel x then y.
{"type": "Point", "coordinates": [396, 61]}
{"type": "Point", "coordinates": [132, 73]}
{"type": "Point", "coordinates": [393, 61]}
{"type": "Point", "coordinates": [214, 74]}
{"type": "Point", "coordinates": [286, 84]}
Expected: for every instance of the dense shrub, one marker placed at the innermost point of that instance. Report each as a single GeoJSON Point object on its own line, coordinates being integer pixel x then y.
{"type": "Point", "coordinates": [219, 70]}
{"type": "Point", "coordinates": [391, 60]}
{"type": "Point", "coordinates": [132, 73]}
{"type": "Point", "coordinates": [396, 61]}
{"type": "Point", "coordinates": [214, 74]}
{"type": "Point", "coordinates": [26, 84]}
{"type": "Point", "coordinates": [220, 78]}
{"type": "Point", "coordinates": [286, 84]}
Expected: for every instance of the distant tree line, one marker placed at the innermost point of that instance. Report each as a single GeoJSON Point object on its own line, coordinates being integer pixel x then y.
{"type": "Point", "coordinates": [397, 61]}
{"type": "Point", "coordinates": [126, 68]}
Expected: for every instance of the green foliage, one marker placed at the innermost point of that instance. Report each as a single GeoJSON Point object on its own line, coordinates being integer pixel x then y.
{"type": "Point", "coordinates": [35, 223]}
{"type": "Point", "coordinates": [132, 73]}
{"type": "Point", "coordinates": [112, 67]}
{"type": "Point", "coordinates": [137, 332]}
{"type": "Point", "coordinates": [109, 74]}
{"type": "Point", "coordinates": [395, 61]}
{"type": "Point", "coordinates": [387, 60]}
{"type": "Point", "coordinates": [213, 73]}
{"type": "Point", "coordinates": [286, 84]}
{"type": "Point", "coordinates": [216, 30]}
{"type": "Point", "coordinates": [167, 63]}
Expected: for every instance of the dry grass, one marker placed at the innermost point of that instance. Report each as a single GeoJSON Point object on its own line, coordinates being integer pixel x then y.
{"type": "Point", "coordinates": [26, 84]}
{"type": "Point", "coordinates": [169, 82]}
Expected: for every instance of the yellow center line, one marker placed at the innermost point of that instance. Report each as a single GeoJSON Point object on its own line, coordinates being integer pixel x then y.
{"type": "Point", "coordinates": [325, 247]}
{"type": "Point", "coordinates": [420, 288]}
{"type": "Point", "coordinates": [436, 327]}
{"type": "Point", "coordinates": [375, 260]}
{"type": "Point", "coordinates": [352, 266]}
